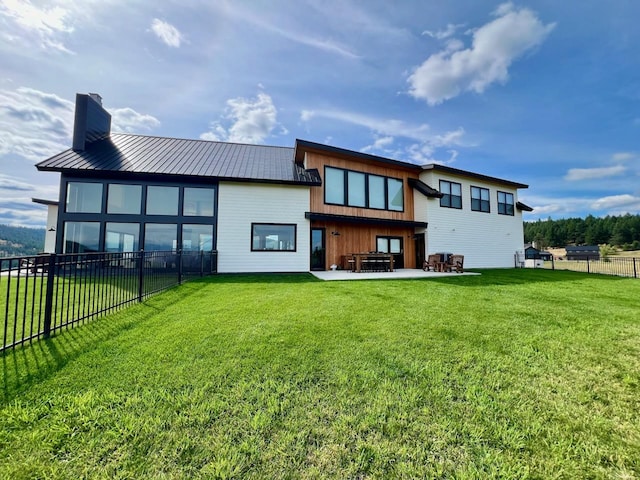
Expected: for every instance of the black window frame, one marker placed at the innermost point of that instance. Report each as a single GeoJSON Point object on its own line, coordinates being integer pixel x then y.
{"type": "Point", "coordinates": [367, 175]}
{"type": "Point", "coordinates": [446, 200]}
{"type": "Point", "coordinates": [295, 236]}
{"type": "Point", "coordinates": [484, 205]}
{"type": "Point", "coordinates": [506, 208]}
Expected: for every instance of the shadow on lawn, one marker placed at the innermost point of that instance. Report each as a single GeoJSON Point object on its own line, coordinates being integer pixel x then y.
{"type": "Point", "coordinates": [35, 362]}
{"type": "Point", "coordinates": [519, 276]}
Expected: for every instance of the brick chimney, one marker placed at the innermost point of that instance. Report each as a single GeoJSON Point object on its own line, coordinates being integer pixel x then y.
{"type": "Point", "coordinates": [92, 122]}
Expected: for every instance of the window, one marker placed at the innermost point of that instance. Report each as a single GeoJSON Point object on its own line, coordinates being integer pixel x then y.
{"type": "Point", "coordinates": [84, 197]}
{"type": "Point", "coordinates": [197, 237]}
{"type": "Point", "coordinates": [160, 236]}
{"type": "Point", "coordinates": [198, 202]}
{"type": "Point", "coordinates": [162, 200]}
{"type": "Point", "coordinates": [124, 199]}
{"type": "Point", "coordinates": [122, 237]}
{"type": "Point", "coordinates": [505, 203]}
{"type": "Point", "coordinates": [480, 199]}
{"type": "Point", "coordinates": [273, 237]}
{"type": "Point", "coordinates": [81, 237]}
{"type": "Point", "coordinates": [452, 194]}
{"type": "Point", "coordinates": [358, 189]}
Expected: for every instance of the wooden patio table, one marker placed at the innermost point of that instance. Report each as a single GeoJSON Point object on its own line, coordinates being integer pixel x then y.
{"type": "Point", "coordinates": [359, 257]}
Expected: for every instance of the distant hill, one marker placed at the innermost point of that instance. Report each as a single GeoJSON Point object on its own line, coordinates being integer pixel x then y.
{"type": "Point", "coordinates": [16, 241]}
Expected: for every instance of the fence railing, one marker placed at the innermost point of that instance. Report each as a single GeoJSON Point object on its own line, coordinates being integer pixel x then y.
{"type": "Point", "coordinates": [619, 266]}
{"type": "Point", "coordinates": [40, 295]}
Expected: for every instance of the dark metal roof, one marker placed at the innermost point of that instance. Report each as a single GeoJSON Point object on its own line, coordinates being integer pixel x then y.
{"type": "Point", "coordinates": [44, 202]}
{"type": "Point", "coordinates": [329, 217]}
{"type": "Point", "coordinates": [140, 154]}
{"type": "Point", "coordinates": [424, 189]}
{"type": "Point", "coordinates": [582, 248]}
{"type": "Point", "coordinates": [523, 207]}
{"type": "Point", "coordinates": [479, 176]}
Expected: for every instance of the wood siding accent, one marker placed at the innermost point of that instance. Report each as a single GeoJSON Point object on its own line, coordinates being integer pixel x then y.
{"type": "Point", "coordinates": [315, 160]}
{"type": "Point", "coordinates": [362, 238]}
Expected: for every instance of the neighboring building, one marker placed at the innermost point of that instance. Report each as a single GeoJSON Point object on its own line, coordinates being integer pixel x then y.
{"type": "Point", "coordinates": [584, 252]}
{"type": "Point", "coordinates": [272, 209]}
{"type": "Point", "coordinates": [532, 253]}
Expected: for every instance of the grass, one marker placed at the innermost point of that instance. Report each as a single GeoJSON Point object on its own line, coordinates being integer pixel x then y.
{"type": "Point", "coordinates": [512, 374]}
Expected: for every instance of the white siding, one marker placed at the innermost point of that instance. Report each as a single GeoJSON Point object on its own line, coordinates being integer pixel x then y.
{"type": "Point", "coordinates": [487, 240]}
{"type": "Point", "coordinates": [239, 205]}
{"type": "Point", "coordinates": [50, 235]}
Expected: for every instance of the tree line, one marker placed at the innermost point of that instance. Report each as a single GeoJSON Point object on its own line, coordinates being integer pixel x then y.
{"type": "Point", "coordinates": [621, 231]}
{"type": "Point", "coordinates": [17, 241]}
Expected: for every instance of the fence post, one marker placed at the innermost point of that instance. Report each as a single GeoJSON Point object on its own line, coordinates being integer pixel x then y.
{"type": "Point", "coordinates": [635, 272]}
{"type": "Point", "coordinates": [588, 269]}
{"type": "Point", "coordinates": [202, 263]}
{"type": "Point", "coordinates": [48, 301]}
{"type": "Point", "coordinates": [141, 276]}
{"type": "Point", "coordinates": [553, 262]}
{"type": "Point", "coordinates": [180, 266]}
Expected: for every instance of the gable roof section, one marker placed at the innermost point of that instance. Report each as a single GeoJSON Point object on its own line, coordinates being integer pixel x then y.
{"type": "Point", "coordinates": [424, 189]}
{"type": "Point", "coordinates": [140, 154]}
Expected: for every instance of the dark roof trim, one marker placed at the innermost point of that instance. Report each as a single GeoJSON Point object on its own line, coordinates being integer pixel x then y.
{"type": "Point", "coordinates": [424, 189]}
{"type": "Point", "coordinates": [303, 146]}
{"type": "Point", "coordinates": [328, 217]}
{"type": "Point", "coordinates": [479, 176]}
{"type": "Point", "coordinates": [44, 202]}
{"type": "Point", "coordinates": [523, 207]}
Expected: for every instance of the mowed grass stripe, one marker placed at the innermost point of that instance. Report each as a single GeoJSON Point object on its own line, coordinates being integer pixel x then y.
{"type": "Point", "coordinates": [511, 374]}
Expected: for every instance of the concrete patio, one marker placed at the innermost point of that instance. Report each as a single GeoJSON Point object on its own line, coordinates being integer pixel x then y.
{"type": "Point", "coordinates": [396, 274]}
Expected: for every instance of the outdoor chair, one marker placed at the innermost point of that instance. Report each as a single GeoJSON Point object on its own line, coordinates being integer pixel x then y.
{"type": "Point", "coordinates": [457, 263]}
{"type": "Point", "coordinates": [431, 263]}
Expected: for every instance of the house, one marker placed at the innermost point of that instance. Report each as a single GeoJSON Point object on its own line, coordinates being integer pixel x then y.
{"type": "Point", "coordinates": [583, 252]}
{"type": "Point", "coordinates": [272, 209]}
{"type": "Point", "coordinates": [532, 253]}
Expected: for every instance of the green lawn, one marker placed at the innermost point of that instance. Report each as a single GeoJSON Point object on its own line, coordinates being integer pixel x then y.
{"type": "Point", "coordinates": [511, 374]}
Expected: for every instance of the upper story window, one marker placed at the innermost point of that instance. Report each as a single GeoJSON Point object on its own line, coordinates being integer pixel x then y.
{"type": "Point", "coordinates": [84, 197]}
{"type": "Point", "coordinates": [162, 200]}
{"type": "Point", "coordinates": [124, 198]}
{"type": "Point", "coordinates": [198, 202]}
{"type": "Point", "coordinates": [359, 189]}
{"type": "Point", "coordinates": [505, 203]}
{"type": "Point", "coordinates": [452, 194]}
{"type": "Point", "coordinates": [480, 199]}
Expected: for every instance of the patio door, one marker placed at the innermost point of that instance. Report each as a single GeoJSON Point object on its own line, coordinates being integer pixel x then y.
{"type": "Point", "coordinates": [318, 249]}
{"type": "Point", "coordinates": [392, 245]}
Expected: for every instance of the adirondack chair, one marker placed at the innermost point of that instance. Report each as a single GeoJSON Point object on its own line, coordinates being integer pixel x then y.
{"type": "Point", "coordinates": [431, 263]}
{"type": "Point", "coordinates": [457, 263]}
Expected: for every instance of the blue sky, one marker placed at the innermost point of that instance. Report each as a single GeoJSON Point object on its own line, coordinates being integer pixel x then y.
{"type": "Point", "coordinates": [543, 92]}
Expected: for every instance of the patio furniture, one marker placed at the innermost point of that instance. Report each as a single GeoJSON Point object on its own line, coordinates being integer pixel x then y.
{"type": "Point", "coordinates": [431, 263]}
{"type": "Point", "coordinates": [456, 263]}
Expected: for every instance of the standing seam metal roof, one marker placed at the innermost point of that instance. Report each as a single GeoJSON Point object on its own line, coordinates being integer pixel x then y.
{"type": "Point", "coordinates": [141, 154]}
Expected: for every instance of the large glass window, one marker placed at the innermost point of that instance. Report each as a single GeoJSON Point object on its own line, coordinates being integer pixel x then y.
{"type": "Point", "coordinates": [81, 237]}
{"type": "Point", "coordinates": [394, 190]}
{"type": "Point", "coordinates": [377, 196]}
{"type": "Point", "coordinates": [356, 189]}
{"type": "Point", "coordinates": [83, 197]}
{"type": "Point", "coordinates": [160, 236]}
{"type": "Point", "coordinates": [334, 186]}
{"type": "Point", "coordinates": [122, 237]}
{"type": "Point", "coordinates": [197, 237]}
{"type": "Point", "coordinates": [505, 203]}
{"type": "Point", "coordinates": [452, 194]}
{"type": "Point", "coordinates": [162, 200]}
{"type": "Point", "coordinates": [273, 237]}
{"type": "Point", "coordinates": [124, 198]}
{"type": "Point", "coordinates": [198, 202]}
{"type": "Point", "coordinates": [362, 190]}
{"type": "Point", "coordinates": [480, 199]}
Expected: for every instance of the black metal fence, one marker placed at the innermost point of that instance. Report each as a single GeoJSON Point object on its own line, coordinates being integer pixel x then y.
{"type": "Point", "coordinates": [619, 266]}
{"type": "Point", "coordinates": [40, 295]}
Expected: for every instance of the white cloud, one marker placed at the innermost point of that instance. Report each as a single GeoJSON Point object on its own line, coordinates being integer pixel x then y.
{"type": "Point", "coordinates": [42, 26]}
{"type": "Point", "coordinates": [128, 120]}
{"type": "Point", "coordinates": [577, 174]}
{"type": "Point", "coordinates": [449, 31]}
{"type": "Point", "coordinates": [619, 203]}
{"type": "Point", "coordinates": [623, 156]}
{"type": "Point", "coordinates": [167, 33]}
{"type": "Point", "coordinates": [495, 46]}
{"type": "Point", "coordinates": [252, 121]}
{"type": "Point", "coordinates": [380, 143]}
{"type": "Point", "coordinates": [34, 124]}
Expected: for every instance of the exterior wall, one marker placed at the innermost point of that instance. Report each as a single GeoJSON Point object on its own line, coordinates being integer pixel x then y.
{"type": "Point", "coordinates": [487, 240]}
{"type": "Point", "coordinates": [240, 205]}
{"type": "Point", "coordinates": [52, 225]}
